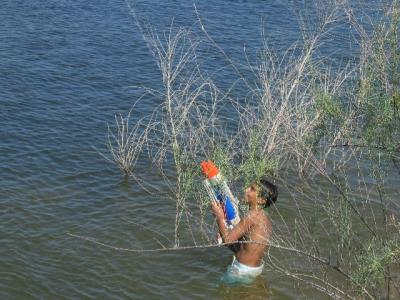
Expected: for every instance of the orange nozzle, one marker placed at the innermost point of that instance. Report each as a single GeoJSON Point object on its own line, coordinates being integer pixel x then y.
{"type": "Point", "coordinates": [209, 169]}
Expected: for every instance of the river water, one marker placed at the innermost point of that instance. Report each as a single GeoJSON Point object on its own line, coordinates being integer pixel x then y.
{"type": "Point", "coordinates": [66, 68]}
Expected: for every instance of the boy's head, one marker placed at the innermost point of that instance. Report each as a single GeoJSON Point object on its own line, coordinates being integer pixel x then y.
{"type": "Point", "coordinates": [267, 191]}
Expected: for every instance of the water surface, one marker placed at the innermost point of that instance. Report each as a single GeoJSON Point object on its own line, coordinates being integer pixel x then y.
{"type": "Point", "coordinates": [66, 67]}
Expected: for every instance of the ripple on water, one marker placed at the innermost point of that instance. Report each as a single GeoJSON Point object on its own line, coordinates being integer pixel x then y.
{"type": "Point", "coordinates": [65, 69]}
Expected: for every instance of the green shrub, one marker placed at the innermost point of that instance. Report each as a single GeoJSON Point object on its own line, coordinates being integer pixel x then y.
{"type": "Point", "coordinates": [255, 164]}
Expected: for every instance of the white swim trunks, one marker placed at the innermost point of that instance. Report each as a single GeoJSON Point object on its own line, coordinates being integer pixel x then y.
{"type": "Point", "coordinates": [238, 272]}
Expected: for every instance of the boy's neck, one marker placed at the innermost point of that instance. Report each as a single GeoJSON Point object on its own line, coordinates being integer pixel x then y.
{"type": "Point", "coordinates": [255, 207]}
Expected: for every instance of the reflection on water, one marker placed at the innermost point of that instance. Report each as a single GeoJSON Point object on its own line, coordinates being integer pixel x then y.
{"type": "Point", "coordinates": [258, 288]}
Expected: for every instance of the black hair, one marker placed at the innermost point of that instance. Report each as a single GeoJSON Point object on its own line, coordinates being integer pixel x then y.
{"type": "Point", "coordinates": [268, 191]}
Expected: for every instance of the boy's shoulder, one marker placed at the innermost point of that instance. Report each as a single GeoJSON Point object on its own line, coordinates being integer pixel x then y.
{"type": "Point", "coordinates": [257, 216]}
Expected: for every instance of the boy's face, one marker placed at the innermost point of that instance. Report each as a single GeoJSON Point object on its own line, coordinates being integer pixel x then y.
{"type": "Point", "coordinates": [250, 193]}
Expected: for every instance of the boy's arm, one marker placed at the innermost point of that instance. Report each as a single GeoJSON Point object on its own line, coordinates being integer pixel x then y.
{"type": "Point", "coordinates": [230, 236]}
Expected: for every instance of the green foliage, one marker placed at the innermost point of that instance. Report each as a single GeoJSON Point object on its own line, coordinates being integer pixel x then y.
{"type": "Point", "coordinates": [190, 188]}
{"type": "Point", "coordinates": [331, 117]}
{"type": "Point", "coordinates": [253, 166]}
{"type": "Point", "coordinates": [342, 217]}
{"type": "Point", "coordinates": [256, 165]}
{"type": "Point", "coordinates": [223, 159]}
{"type": "Point", "coordinates": [312, 139]}
{"type": "Point", "coordinates": [379, 87]}
{"type": "Point", "coordinates": [329, 107]}
{"type": "Point", "coordinates": [396, 103]}
{"type": "Point", "coordinates": [189, 181]}
{"type": "Point", "coordinates": [393, 41]}
{"type": "Point", "coordinates": [380, 126]}
{"type": "Point", "coordinates": [345, 224]}
{"type": "Point", "coordinates": [373, 262]}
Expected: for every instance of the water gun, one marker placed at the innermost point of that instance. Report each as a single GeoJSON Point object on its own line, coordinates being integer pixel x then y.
{"type": "Point", "coordinates": [218, 190]}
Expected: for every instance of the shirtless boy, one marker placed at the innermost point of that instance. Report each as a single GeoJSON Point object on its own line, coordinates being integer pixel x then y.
{"type": "Point", "coordinates": [255, 226]}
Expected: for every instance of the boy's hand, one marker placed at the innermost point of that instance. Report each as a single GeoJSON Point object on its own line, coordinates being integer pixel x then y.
{"type": "Point", "coordinates": [217, 210]}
